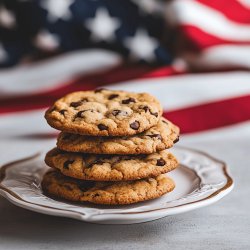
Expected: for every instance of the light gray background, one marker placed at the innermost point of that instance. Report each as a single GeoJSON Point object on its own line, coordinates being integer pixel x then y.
{"type": "Point", "coordinates": [224, 225]}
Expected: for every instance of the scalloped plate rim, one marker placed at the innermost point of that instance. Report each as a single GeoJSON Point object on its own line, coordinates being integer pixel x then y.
{"type": "Point", "coordinates": [115, 218]}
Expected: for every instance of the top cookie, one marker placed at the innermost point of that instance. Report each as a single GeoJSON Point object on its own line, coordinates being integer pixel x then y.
{"type": "Point", "coordinates": [104, 113]}
{"type": "Point", "coordinates": [161, 136]}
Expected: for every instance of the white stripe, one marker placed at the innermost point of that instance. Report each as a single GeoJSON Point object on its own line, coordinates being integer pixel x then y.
{"type": "Point", "coordinates": [178, 92]}
{"type": "Point", "coordinates": [51, 73]}
{"type": "Point", "coordinates": [245, 3]}
{"type": "Point", "coordinates": [220, 57]}
{"type": "Point", "coordinates": [208, 19]}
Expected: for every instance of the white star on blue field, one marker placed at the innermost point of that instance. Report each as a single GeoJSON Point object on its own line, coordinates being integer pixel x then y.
{"type": "Point", "coordinates": [136, 29]}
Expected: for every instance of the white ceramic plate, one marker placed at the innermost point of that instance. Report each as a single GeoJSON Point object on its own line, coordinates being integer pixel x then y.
{"type": "Point", "coordinates": [200, 180]}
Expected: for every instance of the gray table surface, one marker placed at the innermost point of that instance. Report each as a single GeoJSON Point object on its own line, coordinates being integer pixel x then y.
{"type": "Point", "coordinates": [224, 225]}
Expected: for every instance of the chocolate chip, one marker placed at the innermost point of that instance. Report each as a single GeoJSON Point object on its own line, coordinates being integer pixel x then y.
{"type": "Point", "coordinates": [67, 163]}
{"type": "Point", "coordinates": [85, 100]}
{"type": "Point", "coordinates": [135, 125]}
{"type": "Point", "coordinates": [99, 162]}
{"type": "Point", "coordinates": [164, 121]}
{"type": "Point", "coordinates": [158, 136]}
{"type": "Point", "coordinates": [145, 108]}
{"type": "Point", "coordinates": [113, 96]}
{"type": "Point", "coordinates": [116, 112]}
{"type": "Point", "coordinates": [96, 195]}
{"type": "Point", "coordinates": [62, 111]}
{"type": "Point", "coordinates": [102, 127]}
{"type": "Point", "coordinates": [154, 114]}
{"type": "Point", "coordinates": [99, 90]}
{"type": "Point", "coordinates": [177, 139]}
{"type": "Point", "coordinates": [127, 101]}
{"type": "Point", "coordinates": [85, 185]}
{"type": "Point", "coordinates": [160, 162]}
{"type": "Point", "coordinates": [79, 114]}
{"type": "Point", "coordinates": [76, 104]}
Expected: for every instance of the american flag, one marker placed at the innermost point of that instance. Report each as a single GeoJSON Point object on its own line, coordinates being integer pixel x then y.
{"type": "Point", "coordinates": [130, 28]}
{"type": "Point", "coordinates": [189, 53]}
{"type": "Point", "coordinates": [198, 33]}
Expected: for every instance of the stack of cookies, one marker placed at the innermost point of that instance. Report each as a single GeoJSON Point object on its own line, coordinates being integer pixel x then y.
{"type": "Point", "coordinates": [112, 148]}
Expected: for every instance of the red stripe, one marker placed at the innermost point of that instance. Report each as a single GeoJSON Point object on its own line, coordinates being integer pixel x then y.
{"type": "Point", "coordinates": [45, 99]}
{"type": "Point", "coordinates": [163, 71]}
{"type": "Point", "coordinates": [232, 9]}
{"type": "Point", "coordinates": [201, 40]}
{"type": "Point", "coordinates": [211, 115]}
{"type": "Point", "coordinates": [91, 81]}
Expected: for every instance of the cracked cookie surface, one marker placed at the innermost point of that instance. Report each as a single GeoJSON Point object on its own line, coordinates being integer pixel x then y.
{"type": "Point", "coordinates": [159, 137]}
{"type": "Point", "coordinates": [109, 193]}
{"type": "Point", "coordinates": [104, 113]}
{"type": "Point", "coordinates": [110, 167]}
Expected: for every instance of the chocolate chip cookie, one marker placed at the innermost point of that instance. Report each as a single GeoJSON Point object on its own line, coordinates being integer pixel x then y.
{"type": "Point", "coordinates": [157, 138]}
{"type": "Point", "coordinates": [110, 167]}
{"type": "Point", "coordinates": [109, 193]}
{"type": "Point", "coordinates": [104, 113]}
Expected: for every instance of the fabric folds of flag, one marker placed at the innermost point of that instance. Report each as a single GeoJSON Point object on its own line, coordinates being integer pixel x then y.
{"type": "Point", "coordinates": [154, 50]}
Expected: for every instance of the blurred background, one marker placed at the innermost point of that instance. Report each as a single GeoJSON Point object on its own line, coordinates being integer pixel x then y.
{"type": "Point", "coordinates": [194, 55]}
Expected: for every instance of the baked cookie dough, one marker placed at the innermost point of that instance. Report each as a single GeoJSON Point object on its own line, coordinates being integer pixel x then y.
{"type": "Point", "coordinates": [110, 167]}
{"type": "Point", "coordinates": [104, 113]}
{"type": "Point", "coordinates": [109, 193]}
{"type": "Point", "coordinates": [159, 137]}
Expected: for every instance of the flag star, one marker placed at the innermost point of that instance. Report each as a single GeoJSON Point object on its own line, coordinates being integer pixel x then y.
{"type": "Point", "coordinates": [3, 54]}
{"type": "Point", "coordinates": [102, 26]}
{"type": "Point", "coordinates": [7, 18]}
{"type": "Point", "coordinates": [46, 41]}
{"type": "Point", "coordinates": [141, 45]}
{"type": "Point", "coordinates": [57, 9]}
